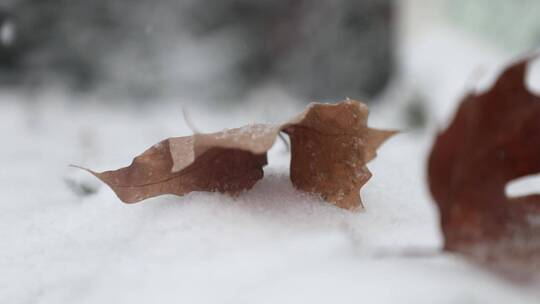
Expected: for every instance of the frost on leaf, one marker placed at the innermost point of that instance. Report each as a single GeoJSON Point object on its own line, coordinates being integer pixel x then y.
{"type": "Point", "coordinates": [228, 162]}
{"type": "Point", "coordinates": [493, 139]}
{"type": "Point", "coordinates": [331, 145]}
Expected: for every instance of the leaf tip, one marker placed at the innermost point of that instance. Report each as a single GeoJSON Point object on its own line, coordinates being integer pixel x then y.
{"type": "Point", "coordinates": [82, 168]}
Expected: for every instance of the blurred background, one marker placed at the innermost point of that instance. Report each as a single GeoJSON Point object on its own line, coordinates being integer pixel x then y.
{"type": "Point", "coordinates": [202, 49]}
{"type": "Point", "coordinates": [314, 50]}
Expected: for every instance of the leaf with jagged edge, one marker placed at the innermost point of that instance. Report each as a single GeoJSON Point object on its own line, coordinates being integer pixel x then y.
{"type": "Point", "coordinates": [331, 145]}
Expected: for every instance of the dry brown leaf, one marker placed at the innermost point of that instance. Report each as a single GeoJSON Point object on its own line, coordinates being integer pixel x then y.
{"type": "Point", "coordinates": [330, 146]}
{"type": "Point", "coordinates": [493, 139]}
{"type": "Point", "coordinates": [229, 161]}
{"type": "Point", "coordinates": [330, 143]}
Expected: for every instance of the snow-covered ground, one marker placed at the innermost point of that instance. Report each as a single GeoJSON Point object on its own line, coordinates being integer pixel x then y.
{"type": "Point", "coordinates": [272, 244]}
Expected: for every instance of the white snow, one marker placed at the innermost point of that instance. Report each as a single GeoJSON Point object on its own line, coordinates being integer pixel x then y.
{"type": "Point", "coordinates": [272, 244]}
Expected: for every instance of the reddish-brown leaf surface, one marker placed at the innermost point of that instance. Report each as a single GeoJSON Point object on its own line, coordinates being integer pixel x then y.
{"type": "Point", "coordinates": [493, 139]}
{"type": "Point", "coordinates": [229, 161]}
{"type": "Point", "coordinates": [330, 143]}
{"type": "Point", "coordinates": [330, 147]}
